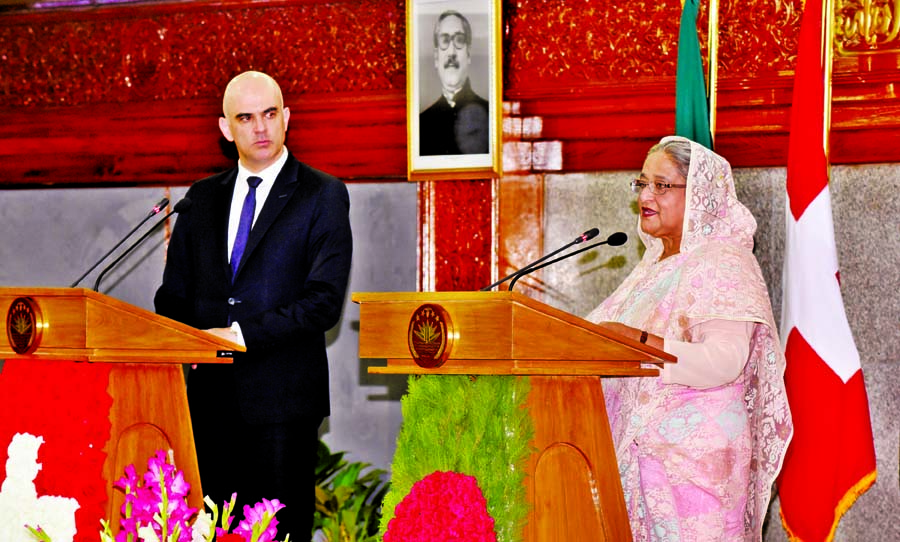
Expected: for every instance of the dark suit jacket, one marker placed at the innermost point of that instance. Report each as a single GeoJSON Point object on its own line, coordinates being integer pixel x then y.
{"type": "Point", "coordinates": [288, 291]}
{"type": "Point", "coordinates": [458, 129]}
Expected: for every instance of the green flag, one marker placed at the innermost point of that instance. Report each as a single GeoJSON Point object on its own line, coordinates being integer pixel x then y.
{"type": "Point", "coordinates": [691, 102]}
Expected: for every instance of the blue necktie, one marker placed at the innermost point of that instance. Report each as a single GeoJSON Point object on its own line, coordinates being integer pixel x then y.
{"type": "Point", "coordinates": [246, 222]}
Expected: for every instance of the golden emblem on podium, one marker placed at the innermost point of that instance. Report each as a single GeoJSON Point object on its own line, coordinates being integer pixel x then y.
{"type": "Point", "coordinates": [24, 325]}
{"type": "Point", "coordinates": [429, 336]}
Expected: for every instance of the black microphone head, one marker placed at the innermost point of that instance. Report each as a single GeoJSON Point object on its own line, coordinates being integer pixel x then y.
{"type": "Point", "coordinates": [183, 205]}
{"type": "Point", "coordinates": [587, 236]}
{"type": "Point", "coordinates": [617, 239]}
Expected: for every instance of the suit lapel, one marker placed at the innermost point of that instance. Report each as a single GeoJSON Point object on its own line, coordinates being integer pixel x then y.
{"type": "Point", "coordinates": [282, 190]}
{"type": "Point", "coordinates": [221, 213]}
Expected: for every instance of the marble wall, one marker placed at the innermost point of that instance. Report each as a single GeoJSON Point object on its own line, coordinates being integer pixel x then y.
{"type": "Point", "coordinates": [866, 203]}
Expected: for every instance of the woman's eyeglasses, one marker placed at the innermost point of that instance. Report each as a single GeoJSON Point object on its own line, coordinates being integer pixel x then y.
{"type": "Point", "coordinates": [656, 187]}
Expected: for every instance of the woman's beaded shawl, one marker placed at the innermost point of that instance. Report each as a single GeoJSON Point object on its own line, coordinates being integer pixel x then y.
{"type": "Point", "coordinates": [714, 276]}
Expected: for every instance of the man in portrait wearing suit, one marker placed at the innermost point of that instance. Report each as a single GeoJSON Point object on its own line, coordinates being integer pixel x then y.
{"type": "Point", "coordinates": [457, 123]}
{"type": "Point", "coordinates": [261, 258]}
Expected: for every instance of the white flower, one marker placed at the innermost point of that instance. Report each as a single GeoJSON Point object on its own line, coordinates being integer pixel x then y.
{"type": "Point", "coordinates": [20, 504]}
{"type": "Point", "coordinates": [202, 527]}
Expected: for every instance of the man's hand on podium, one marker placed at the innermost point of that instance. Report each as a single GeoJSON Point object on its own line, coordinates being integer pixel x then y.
{"type": "Point", "coordinates": [232, 334]}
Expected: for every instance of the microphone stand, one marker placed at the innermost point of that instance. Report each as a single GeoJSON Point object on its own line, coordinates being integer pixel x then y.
{"type": "Point", "coordinates": [153, 212]}
{"type": "Point", "coordinates": [179, 207]}
{"type": "Point", "coordinates": [586, 236]}
{"type": "Point", "coordinates": [614, 240]}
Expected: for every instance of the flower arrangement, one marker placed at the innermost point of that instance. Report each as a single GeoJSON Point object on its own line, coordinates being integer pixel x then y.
{"type": "Point", "coordinates": [157, 502]}
{"type": "Point", "coordinates": [156, 510]}
{"type": "Point", "coordinates": [442, 506]}
{"type": "Point", "coordinates": [477, 427]}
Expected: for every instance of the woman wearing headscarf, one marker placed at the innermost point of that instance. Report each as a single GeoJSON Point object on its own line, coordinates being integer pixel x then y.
{"type": "Point", "coordinates": [700, 445]}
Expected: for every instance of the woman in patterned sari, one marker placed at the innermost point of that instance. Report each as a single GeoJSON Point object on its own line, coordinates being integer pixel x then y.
{"type": "Point", "coordinates": [699, 446]}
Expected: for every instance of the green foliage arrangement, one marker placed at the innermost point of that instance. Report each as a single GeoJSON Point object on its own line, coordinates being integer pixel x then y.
{"type": "Point", "coordinates": [348, 498]}
{"type": "Point", "coordinates": [478, 426]}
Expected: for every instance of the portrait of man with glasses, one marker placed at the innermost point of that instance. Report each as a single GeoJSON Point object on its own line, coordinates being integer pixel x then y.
{"type": "Point", "coordinates": [457, 123]}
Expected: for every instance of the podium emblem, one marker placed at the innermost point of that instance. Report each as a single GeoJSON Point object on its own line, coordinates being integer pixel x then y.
{"type": "Point", "coordinates": [24, 325]}
{"type": "Point", "coordinates": [430, 330]}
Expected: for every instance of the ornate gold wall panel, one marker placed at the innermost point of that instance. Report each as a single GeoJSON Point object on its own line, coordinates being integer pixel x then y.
{"type": "Point", "coordinates": [600, 74]}
{"type": "Point", "coordinates": [758, 38]}
{"type": "Point", "coordinates": [177, 51]}
{"type": "Point", "coordinates": [865, 27]}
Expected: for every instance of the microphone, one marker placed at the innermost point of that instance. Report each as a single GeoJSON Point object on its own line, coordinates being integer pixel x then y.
{"type": "Point", "coordinates": [183, 205]}
{"type": "Point", "coordinates": [614, 240]}
{"type": "Point", "coordinates": [153, 212]}
{"type": "Point", "coordinates": [586, 236]}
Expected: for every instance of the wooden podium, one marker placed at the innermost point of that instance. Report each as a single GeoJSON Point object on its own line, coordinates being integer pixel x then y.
{"type": "Point", "coordinates": [572, 482]}
{"type": "Point", "coordinates": [146, 381]}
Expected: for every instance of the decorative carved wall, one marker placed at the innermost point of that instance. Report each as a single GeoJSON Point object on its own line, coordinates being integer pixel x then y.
{"type": "Point", "coordinates": [458, 242]}
{"type": "Point", "coordinates": [758, 38]}
{"type": "Point", "coordinates": [600, 74]}
{"type": "Point", "coordinates": [136, 54]}
{"type": "Point", "coordinates": [603, 82]}
{"type": "Point", "coordinates": [866, 27]}
{"type": "Point", "coordinates": [130, 95]}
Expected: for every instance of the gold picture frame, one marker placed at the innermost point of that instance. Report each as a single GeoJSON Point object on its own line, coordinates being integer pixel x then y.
{"type": "Point", "coordinates": [453, 48]}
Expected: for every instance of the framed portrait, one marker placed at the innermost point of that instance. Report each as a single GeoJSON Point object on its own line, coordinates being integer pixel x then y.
{"type": "Point", "coordinates": [453, 89]}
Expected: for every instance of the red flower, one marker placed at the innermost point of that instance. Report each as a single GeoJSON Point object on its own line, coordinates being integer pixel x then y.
{"type": "Point", "coordinates": [446, 506]}
{"type": "Point", "coordinates": [67, 404]}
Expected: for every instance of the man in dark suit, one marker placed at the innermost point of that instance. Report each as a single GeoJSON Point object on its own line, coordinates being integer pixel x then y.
{"type": "Point", "coordinates": [277, 290]}
{"type": "Point", "coordinates": [457, 123]}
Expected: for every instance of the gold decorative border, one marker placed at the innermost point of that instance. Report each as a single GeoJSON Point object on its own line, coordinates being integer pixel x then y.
{"type": "Point", "coordinates": [866, 27]}
{"type": "Point", "coordinates": [464, 166]}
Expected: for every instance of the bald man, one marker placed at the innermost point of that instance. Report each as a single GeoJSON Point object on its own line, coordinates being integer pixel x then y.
{"type": "Point", "coordinates": [262, 258]}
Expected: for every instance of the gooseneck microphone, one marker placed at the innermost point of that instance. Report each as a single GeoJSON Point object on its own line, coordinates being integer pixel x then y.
{"type": "Point", "coordinates": [614, 240]}
{"type": "Point", "coordinates": [153, 212]}
{"type": "Point", "coordinates": [586, 236]}
{"type": "Point", "coordinates": [183, 205]}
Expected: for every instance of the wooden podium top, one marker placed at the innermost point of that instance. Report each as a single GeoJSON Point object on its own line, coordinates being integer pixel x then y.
{"type": "Point", "coordinates": [493, 333]}
{"type": "Point", "coordinates": [78, 324]}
